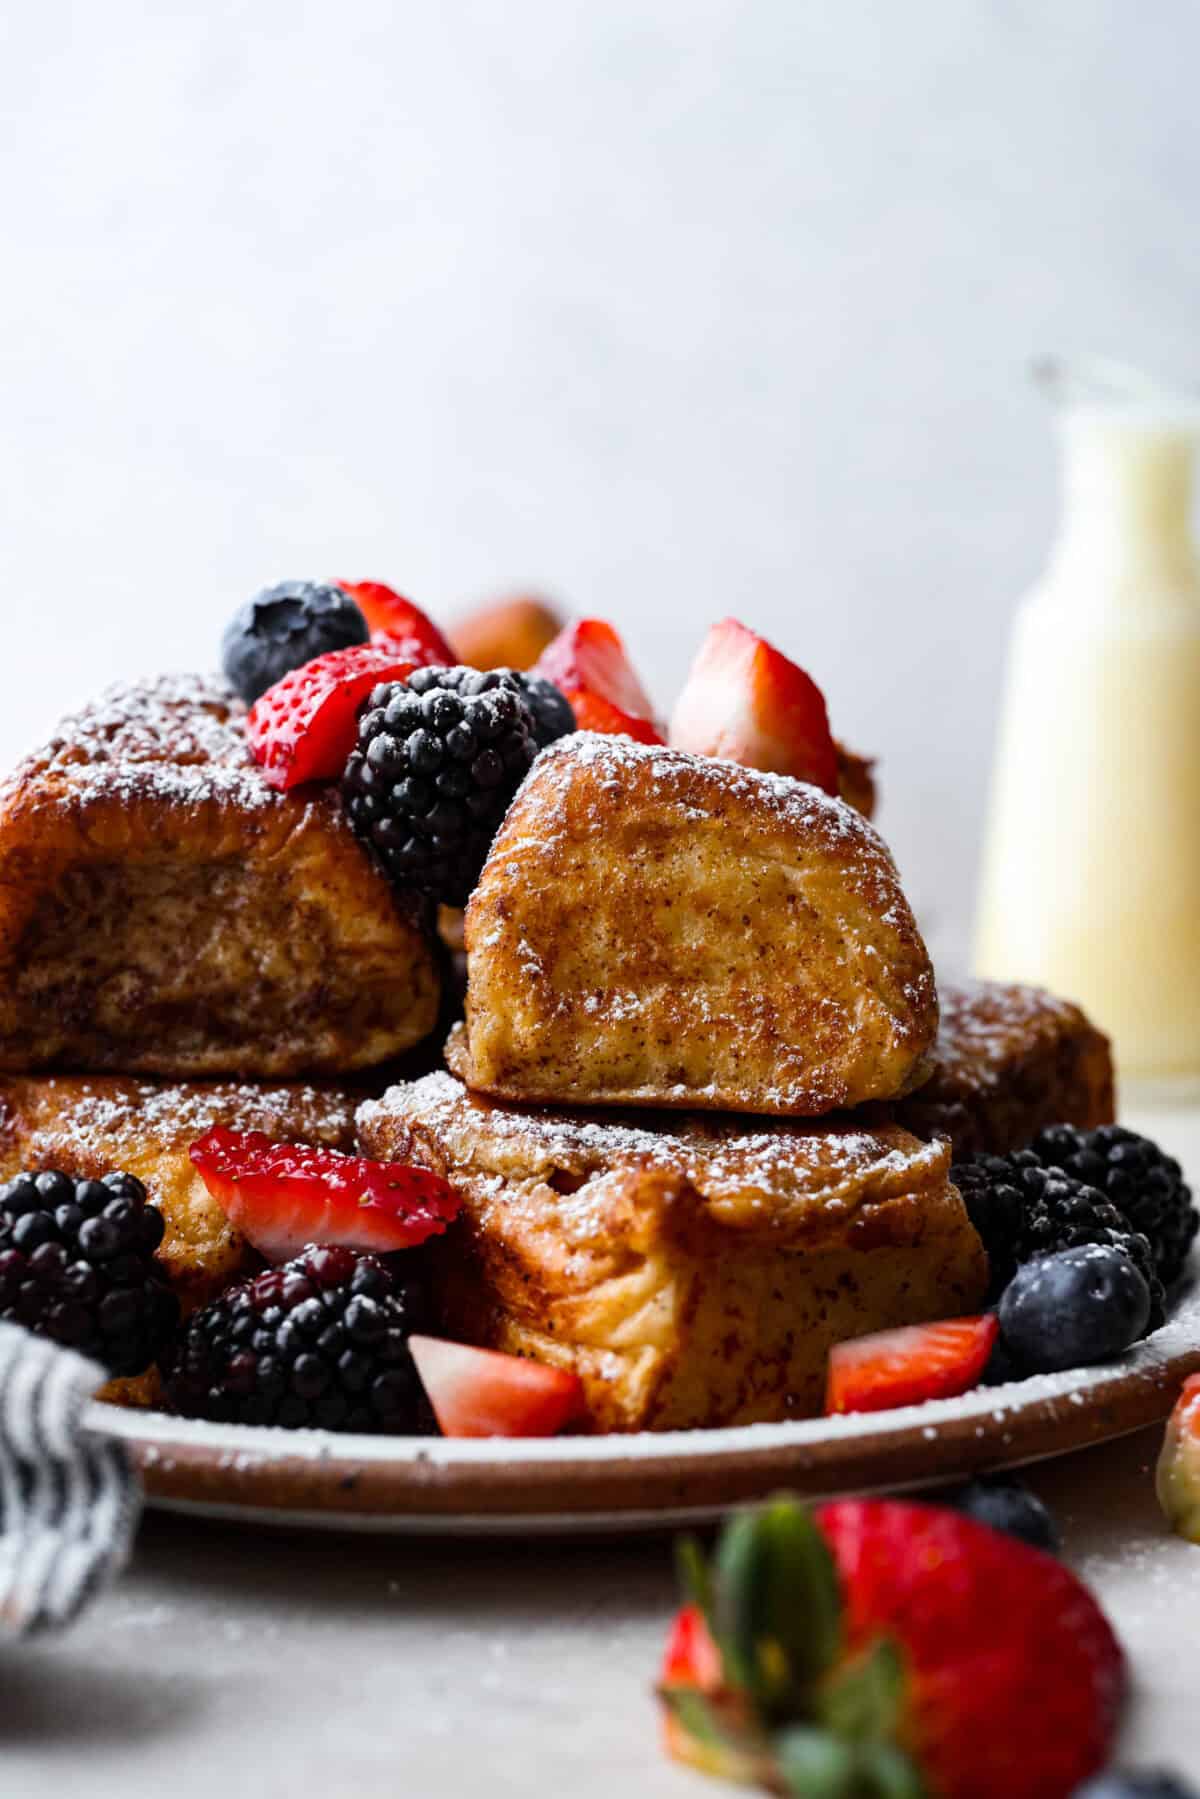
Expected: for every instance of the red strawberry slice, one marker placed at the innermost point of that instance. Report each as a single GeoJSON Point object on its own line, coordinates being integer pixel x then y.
{"type": "Point", "coordinates": [884, 1647]}
{"type": "Point", "coordinates": [745, 702]}
{"type": "Point", "coordinates": [906, 1366]}
{"type": "Point", "coordinates": [481, 1393]}
{"type": "Point", "coordinates": [304, 728]}
{"type": "Point", "coordinates": [588, 662]}
{"type": "Point", "coordinates": [390, 617]}
{"type": "Point", "coordinates": [284, 1196]}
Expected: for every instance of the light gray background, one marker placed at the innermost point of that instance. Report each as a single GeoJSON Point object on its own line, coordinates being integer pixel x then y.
{"type": "Point", "coordinates": [673, 309]}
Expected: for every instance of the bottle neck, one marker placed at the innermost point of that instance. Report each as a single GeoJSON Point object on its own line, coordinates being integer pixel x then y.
{"type": "Point", "coordinates": [1126, 504]}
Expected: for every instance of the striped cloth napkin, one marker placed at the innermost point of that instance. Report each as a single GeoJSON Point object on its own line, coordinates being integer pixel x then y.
{"type": "Point", "coordinates": [69, 1501]}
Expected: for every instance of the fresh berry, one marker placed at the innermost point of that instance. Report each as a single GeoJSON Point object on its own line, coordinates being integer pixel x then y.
{"type": "Point", "coordinates": [1148, 1783]}
{"type": "Point", "coordinates": [1074, 1309]}
{"type": "Point", "coordinates": [437, 762]}
{"type": "Point", "coordinates": [879, 1648]}
{"type": "Point", "coordinates": [303, 728]}
{"type": "Point", "coordinates": [1023, 1209]}
{"type": "Point", "coordinates": [322, 1341]}
{"type": "Point", "coordinates": [481, 1393]}
{"type": "Point", "coordinates": [282, 1196]}
{"type": "Point", "coordinates": [392, 618]}
{"type": "Point", "coordinates": [745, 702]}
{"type": "Point", "coordinates": [1004, 1504]}
{"type": "Point", "coordinates": [1178, 1479]}
{"type": "Point", "coordinates": [588, 662]}
{"type": "Point", "coordinates": [909, 1365]}
{"type": "Point", "coordinates": [553, 714]}
{"type": "Point", "coordinates": [507, 634]}
{"type": "Point", "coordinates": [1144, 1183]}
{"type": "Point", "coordinates": [284, 627]}
{"type": "Point", "coordinates": [77, 1265]}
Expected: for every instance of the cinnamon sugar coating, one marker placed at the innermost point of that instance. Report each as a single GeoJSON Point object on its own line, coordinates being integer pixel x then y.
{"type": "Point", "coordinates": [692, 1270]}
{"type": "Point", "coordinates": [163, 910]}
{"type": "Point", "coordinates": [1009, 1061]}
{"type": "Point", "coordinates": [89, 1126]}
{"type": "Point", "coordinates": [655, 928]}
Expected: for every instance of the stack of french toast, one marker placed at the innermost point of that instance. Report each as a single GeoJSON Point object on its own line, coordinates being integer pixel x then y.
{"type": "Point", "coordinates": [701, 1094]}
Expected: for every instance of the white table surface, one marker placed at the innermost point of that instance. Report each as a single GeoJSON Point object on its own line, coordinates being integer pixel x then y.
{"type": "Point", "coordinates": [230, 1661]}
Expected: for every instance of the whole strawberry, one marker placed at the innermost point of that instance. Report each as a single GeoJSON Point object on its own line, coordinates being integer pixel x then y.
{"type": "Point", "coordinates": [879, 1650]}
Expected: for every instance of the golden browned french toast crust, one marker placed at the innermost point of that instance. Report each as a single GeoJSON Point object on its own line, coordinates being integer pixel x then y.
{"type": "Point", "coordinates": [1009, 1061]}
{"type": "Point", "coordinates": [90, 1126]}
{"type": "Point", "coordinates": [163, 910]}
{"type": "Point", "coordinates": [693, 1270]}
{"type": "Point", "coordinates": [655, 928]}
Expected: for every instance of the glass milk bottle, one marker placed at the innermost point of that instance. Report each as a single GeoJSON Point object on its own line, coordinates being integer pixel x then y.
{"type": "Point", "coordinates": [1091, 876]}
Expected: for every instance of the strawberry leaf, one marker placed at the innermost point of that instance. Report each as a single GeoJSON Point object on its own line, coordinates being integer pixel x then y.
{"type": "Point", "coordinates": [887, 1773]}
{"type": "Point", "coordinates": [695, 1577]}
{"type": "Point", "coordinates": [777, 1607]}
{"type": "Point", "coordinates": [729, 1741]}
{"type": "Point", "coordinates": [816, 1764]}
{"type": "Point", "coordinates": [813, 1764]}
{"type": "Point", "coordinates": [862, 1702]}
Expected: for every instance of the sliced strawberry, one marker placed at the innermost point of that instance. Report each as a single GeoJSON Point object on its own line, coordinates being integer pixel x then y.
{"type": "Point", "coordinates": [880, 1647]}
{"type": "Point", "coordinates": [909, 1365]}
{"type": "Point", "coordinates": [392, 617]}
{"type": "Point", "coordinates": [588, 662]}
{"type": "Point", "coordinates": [1178, 1477]}
{"type": "Point", "coordinates": [506, 634]}
{"type": "Point", "coordinates": [284, 1196]}
{"type": "Point", "coordinates": [481, 1393]}
{"type": "Point", "coordinates": [745, 702]}
{"type": "Point", "coordinates": [304, 728]}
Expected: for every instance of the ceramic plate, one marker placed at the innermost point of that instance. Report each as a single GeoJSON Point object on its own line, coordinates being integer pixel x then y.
{"type": "Point", "coordinates": [498, 1486]}
{"type": "Point", "coordinates": [413, 1484]}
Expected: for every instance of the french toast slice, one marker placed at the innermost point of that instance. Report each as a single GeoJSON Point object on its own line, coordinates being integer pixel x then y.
{"type": "Point", "coordinates": [90, 1126]}
{"type": "Point", "coordinates": [1009, 1061]}
{"type": "Point", "coordinates": [662, 929]}
{"type": "Point", "coordinates": [693, 1270]}
{"type": "Point", "coordinates": [163, 910]}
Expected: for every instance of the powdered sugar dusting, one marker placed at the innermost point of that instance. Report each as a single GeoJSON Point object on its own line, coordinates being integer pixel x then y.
{"type": "Point", "coordinates": [982, 1022]}
{"type": "Point", "coordinates": [715, 1152]}
{"type": "Point", "coordinates": [612, 759]}
{"type": "Point", "coordinates": [179, 737]}
{"type": "Point", "coordinates": [81, 1118]}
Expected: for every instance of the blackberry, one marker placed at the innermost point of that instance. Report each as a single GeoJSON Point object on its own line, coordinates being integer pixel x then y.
{"type": "Point", "coordinates": [438, 760]}
{"type": "Point", "coordinates": [77, 1265]}
{"type": "Point", "coordinates": [552, 714]}
{"type": "Point", "coordinates": [322, 1341]}
{"type": "Point", "coordinates": [1137, 1177]}
{"type": "Point", "coordinates": [1023, 1210]}
{"type": "Point", "coordinates": [284, 627]}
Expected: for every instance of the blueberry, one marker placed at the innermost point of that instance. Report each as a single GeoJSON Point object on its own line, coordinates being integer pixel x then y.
{"type": "Point", "coordinates": [1004, 1504]}
{"type": "Point", "coordinates": [284, 627]}
{"type": "Point", "coordinates": [1069, 1310]}
{"type": "Point", "coordinates": [1150, 1783]}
